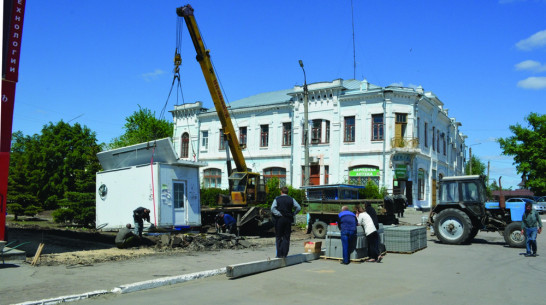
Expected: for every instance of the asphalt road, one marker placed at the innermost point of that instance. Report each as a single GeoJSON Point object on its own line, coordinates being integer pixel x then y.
{"type": "Point", "coordinates": [485, 272]}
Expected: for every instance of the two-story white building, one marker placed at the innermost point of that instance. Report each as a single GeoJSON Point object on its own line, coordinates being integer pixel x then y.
{"type": "Point", "coordinates": [401, 138]}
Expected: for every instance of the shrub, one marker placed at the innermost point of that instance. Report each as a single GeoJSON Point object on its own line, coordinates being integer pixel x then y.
{"type": "Point", "coordinates": [16, 209]}
{"type": "Point", "coordinates": [209, 196]}
{"type": "Point", "coordinates": [32, 210]}
{"type": "Point", "coordinates": [63, 215]}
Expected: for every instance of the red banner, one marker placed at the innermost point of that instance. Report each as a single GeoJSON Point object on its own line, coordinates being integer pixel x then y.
{"type": "Point", "coordinates": [13, 47]}
{"type": "Point", "coordinates": [11, 52]}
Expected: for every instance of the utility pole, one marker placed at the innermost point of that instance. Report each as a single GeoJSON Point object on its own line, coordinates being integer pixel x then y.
{"type": "Point", "coordinates": [488, 165]}
{"type": "Point", "coordinates": [305, 126]}
{"type": "Point", "coordinates": [470, 160]}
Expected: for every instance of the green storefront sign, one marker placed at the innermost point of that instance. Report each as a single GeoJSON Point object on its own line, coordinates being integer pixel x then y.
{"type": "Point", "coordinates": [401, 171]}
{"type": "Point", "coordinates": [364, 172]}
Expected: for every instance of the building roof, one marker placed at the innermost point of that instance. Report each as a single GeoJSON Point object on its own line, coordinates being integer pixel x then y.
{"type": "Point", "coordinates": [161, 150]}
{"type": "Point", "coordinates": [286, 95]}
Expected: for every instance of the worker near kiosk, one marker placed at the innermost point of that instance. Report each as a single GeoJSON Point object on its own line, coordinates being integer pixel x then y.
{"type": "Point", "coordinates": [139, 215]}
{"type": "Point", "coordinates": [284, 209]}
{"type": "Point", "coordinates": [347, 225]}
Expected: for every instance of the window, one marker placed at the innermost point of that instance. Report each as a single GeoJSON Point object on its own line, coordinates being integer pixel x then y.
{"type": "Point", "coordinates": [326, 174]}
{"type": "Point", "coordinates": [438, 141]}
{"type": "Point", "coordinates": [349, 129]}
{"type": "Point", "coordinates": [286, 134]}
{"type": "Point", "coordinates": [449, 192]}
{"type": "Point", "coordinates": [185, 145]}
{"type": "Point", "coordinates": [433, 133]}
{"type": "Point", "coordinates": [401, 125]}
{"type": "Point", "coordinates": [426, 134]}
{"type": "Point", "coordinates": [222, 140]}
{"type": "Point", "coordinates": [377, 127]}
{"type": "Point", "coordinates": [212, 177]}
{"type": "Point", "coordinates": [178, 195]}
{"type": "Point", "coordinates": [264, 135]}
{"type": "Point", "coordinates": [277, 172]}
{"type": "Point", "coordinates": [444, 142]}
{"type": "Point", "coordinates": [242, 137]}
{"type": "Point", "coordinates": [327, 135]}
{"type": "Point", "coordinates": [205, 139]}
{"type": "Point", "coordinates": [421, 184]}
{"type": "Point", "coordinates": [316, 131]}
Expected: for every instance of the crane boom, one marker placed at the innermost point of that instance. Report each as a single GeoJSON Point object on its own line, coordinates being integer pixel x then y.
{"type": "Point", "coordinates": [245, 187]}
{"type": "Point", "coordinates": [203, 57]}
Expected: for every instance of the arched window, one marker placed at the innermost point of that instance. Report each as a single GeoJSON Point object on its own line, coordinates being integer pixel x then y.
{"type": "Point", "coordinates": [185, 145]}
{"type": "Point", "coordinates": [212, 177]}
{"type": "Point", "coordinates": [278, 172]}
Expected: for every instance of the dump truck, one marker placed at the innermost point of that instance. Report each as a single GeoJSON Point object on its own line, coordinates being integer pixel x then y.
{"type": "Point", "coordinates": [462, 211]}
{"type": "Point", "coordinates": [323, 204]}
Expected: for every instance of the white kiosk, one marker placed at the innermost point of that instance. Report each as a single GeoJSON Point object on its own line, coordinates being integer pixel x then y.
{"type": "Point", "coordinates": [147, 175]}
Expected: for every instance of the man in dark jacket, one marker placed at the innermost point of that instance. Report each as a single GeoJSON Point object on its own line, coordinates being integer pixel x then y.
{"type": "Point", "coordinates": [225, 223]}
{"type": "Point", "coordinates": [531, 224]}
{"type": "Point", "coordinates": [139, 215]}
{"type": "Point", "coordinates": [284, 209]}
{"type": "Point", "coordinates": [125, 237]}
{"type": "Point", "coordinates": [347, 225]}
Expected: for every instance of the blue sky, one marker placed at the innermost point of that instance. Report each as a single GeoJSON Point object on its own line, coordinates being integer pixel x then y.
{"type": "Point", "coordinates": [95, 62]}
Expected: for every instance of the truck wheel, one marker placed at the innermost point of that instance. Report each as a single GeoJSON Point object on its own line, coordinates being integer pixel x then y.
{"type": "Point", "coordinates": [319, 229]}
{"type": "Point", "coordinates": [513, 236]}
{"type": "Point", "coordinates": [452, 226]}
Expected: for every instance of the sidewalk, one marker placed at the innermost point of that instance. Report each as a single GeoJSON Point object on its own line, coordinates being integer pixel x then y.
{"type": "Point", "coordinates": [22, 282]}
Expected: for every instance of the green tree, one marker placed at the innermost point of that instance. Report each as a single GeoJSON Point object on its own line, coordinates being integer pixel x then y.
{"type": "Point", "coordinates": [478, 167]}
{"type": "Point", "coordinates": [45, 168]}
{"type": "Point", "coordinates": [142, 126]}
{"type": "Point", "coordinates": [528, 147]}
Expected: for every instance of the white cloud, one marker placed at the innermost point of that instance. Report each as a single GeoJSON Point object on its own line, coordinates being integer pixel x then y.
{"type": "Point", "coordinates": [399, 84]}
{"type": "Point", "coordinates": [531, 65]}
{"type": "Point", "coordinates": [152, 75]}
{"type": "Point", "coordinates": [536, 40]}
{"type": "Point", "coordinates": [535, 83]}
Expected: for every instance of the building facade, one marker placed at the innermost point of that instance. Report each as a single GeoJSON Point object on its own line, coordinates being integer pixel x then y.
{"type": "Point", "coordinates": [401, 138]}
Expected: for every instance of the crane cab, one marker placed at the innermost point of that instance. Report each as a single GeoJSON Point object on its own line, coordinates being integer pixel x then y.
{"type": "Point", "coordinates": [248, 188]}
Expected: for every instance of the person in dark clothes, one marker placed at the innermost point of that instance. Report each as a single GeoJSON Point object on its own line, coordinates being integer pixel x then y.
{"type": "Point", "coordinates": [373, 215]}
{"type": "Point", "coordinates": [125, 237]}
{"type": "Point", "coordinates": [347, 225]}
{"type": "Point", "coordinates": [225, 222]}
{"type": "Point", "coordinates": [139, 215]}
{"type": "Point", "coordinates": [531, 224]}
{"type": "Point", "coordinates": [284, 209]}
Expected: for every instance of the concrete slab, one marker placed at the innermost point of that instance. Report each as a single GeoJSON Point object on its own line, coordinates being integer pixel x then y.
{"type": "Point", "coordinates": [234, 271]}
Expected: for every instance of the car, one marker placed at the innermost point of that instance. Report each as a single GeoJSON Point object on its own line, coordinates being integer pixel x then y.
{"type": "Point", "coordinates": [540, 208]}
{"type": "Point", "coordinates": [541, 204]}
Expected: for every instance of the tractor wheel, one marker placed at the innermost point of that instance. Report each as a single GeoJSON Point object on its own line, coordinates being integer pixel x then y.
{"type": "Point", "coordinates": [319, 229]}
{"type": "Point", "coordinates": [473, 233]}
{"type": "Point", "coordinates": [513, 236]}
{"type": "Point", "coordinates": [452, 226]}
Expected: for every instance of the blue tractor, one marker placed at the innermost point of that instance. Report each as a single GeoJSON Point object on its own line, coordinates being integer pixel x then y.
{"type": "Point", "coordinates": [461, 212]}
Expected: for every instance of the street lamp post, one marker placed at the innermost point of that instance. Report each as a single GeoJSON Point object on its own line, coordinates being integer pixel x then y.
{"type": "Point", "coordinates": [305, 126]}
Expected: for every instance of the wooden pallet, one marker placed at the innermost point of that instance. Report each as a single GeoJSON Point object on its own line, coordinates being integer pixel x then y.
{"type": "Point", "coordinates": [406, 252]}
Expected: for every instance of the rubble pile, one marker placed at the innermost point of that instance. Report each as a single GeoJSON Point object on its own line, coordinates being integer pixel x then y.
{"type": "Point", "coordinates": [201, 242]}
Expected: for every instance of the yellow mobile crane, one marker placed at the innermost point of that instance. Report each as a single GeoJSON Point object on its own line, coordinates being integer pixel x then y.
{"type": "Point", "coordinates": [246, 188]}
